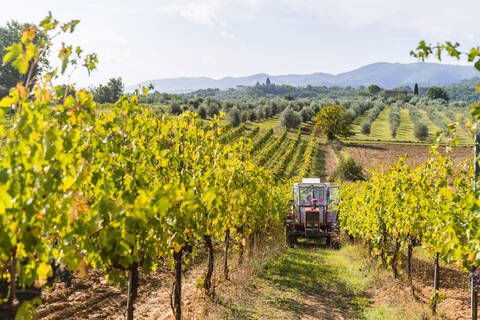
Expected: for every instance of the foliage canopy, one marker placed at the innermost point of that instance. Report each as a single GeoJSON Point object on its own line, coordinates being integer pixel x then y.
{"type": "Point", "coordinates": [334, 121]}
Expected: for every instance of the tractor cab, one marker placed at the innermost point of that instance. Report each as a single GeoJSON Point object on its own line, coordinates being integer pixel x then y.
{"type": "Point", "coordinates": [333, 198]}
{"type": "Point", "coordinates": [313, 213]}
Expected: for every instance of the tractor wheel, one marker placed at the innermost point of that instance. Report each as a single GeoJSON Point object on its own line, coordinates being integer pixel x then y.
{"type": "Point", "coordinates": [335, 245]}
{"type": "Point", "coordinates": [291, 240]}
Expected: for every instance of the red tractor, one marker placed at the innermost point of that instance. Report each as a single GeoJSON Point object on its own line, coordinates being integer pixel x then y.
{"type": "Point", "coordinates": [313, 214]}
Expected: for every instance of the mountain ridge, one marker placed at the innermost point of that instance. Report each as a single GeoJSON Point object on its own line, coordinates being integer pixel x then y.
{"type": "Point", "coordinates": [385, 74]}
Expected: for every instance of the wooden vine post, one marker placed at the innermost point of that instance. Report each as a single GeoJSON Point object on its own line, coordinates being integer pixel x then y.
{"type": "Point", "coordinates": [473, 275]}
{"type": "Point", "coordinates": [207, 283]}
{"type": "Point", "coordinates": [225, 257]}
{"type": "Point", "coordinates": [473, 292]}
{"type": "Point", "coordinates": [132, 289]}
{"type": "Point", "coordinates": [409, 265]}
{"type": "Point", "coordinates": [177, 291]}
{"type": "Point", "coordinates": [436, 282]}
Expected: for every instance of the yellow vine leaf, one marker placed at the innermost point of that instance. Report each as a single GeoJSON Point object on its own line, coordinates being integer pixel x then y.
{"type": "Point", "coordinates": [29, 34]}
{"type": "Point", "coordinates": [22, 91]}
{"type": "Point", "coordinates": [177, 247]}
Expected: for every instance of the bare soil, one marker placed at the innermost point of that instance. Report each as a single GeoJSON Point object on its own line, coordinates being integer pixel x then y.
{"type": "Point", "coordinates": [94, 298]}
{"type": "Point", "coordinates": [330, 161]}
{"type": "Point", "coordinates": [454, 285]}
{"type": "Point", "coordinates": [384, 155]}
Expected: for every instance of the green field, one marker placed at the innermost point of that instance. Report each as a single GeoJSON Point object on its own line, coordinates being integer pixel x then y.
{"type": "Point", "coordinates": [380, 130]}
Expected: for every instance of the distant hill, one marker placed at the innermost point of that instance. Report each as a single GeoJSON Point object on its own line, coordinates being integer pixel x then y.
{"type": "Point", "coordinates": [386, 75]}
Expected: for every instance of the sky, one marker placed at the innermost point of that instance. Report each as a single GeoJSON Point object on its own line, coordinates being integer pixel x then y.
{"type": "Point", "coordinates": [145, 39]}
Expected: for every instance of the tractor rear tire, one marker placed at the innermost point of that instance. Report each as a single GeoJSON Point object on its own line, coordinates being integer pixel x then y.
{"type": "Point", "coordinates": [335, 245]}
{"type": "Point", "coordinates": [291, 240]}
{"type": "Point", "coordinates": [329, 241]}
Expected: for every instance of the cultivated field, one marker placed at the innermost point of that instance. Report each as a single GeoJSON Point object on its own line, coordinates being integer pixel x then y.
{"type": "Point", "coordinates": [377, 150]}
{"type": "Point", "coordinates": [380, 132]}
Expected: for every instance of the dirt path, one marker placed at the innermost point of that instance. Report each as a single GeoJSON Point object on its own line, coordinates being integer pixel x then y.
{"type": "Point", "coordinates": [330, 161]}
{"type": "Point", "coordinates": [302, 283]}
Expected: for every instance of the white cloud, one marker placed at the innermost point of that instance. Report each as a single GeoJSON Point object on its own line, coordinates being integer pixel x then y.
{"type": "Point", "coordinates": [227, 35]}
{"type": "Point", "coordinates": [202, 11]}
{"type": "Point", "coordinates": [199, 11]}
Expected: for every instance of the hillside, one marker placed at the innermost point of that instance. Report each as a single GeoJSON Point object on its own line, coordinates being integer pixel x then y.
{"type": "Point", "coordinates": [386, 75]}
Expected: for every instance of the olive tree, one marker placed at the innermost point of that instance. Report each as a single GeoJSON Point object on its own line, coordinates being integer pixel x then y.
{"type": "Point", "coordinates": [290, 119]}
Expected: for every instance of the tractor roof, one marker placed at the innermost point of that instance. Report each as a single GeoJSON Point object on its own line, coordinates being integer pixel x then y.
{"type": "Point", "coordinates": [302, 184]}
{"type": "Point", "coordinates": [307, 182]}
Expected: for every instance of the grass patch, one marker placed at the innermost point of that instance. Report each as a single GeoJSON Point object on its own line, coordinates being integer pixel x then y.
{"type": "Point", "coordinates": [268, 124]}
{"type": "Point", "coordinates": [380, 128]}
{"type": "Point", "coordinates": [380, 131]}
{"type": "Point", "coordinates": [305, 282]}
{"type": "Point", "coordinates": [309, 282]}
{"type": "Point", "coordinates": [319, 165]}
{"type": "Point", "coordinates": [345, 154]}
{"type": "Point", "coordinates": [388, 312]}
{"type": "Point", "coordinates": [432, 128]}
{"type": "Point", "coordinates": [405, 130]}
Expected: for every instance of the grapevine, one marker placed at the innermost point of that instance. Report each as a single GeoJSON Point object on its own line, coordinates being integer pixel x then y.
{"type": "Point", "coordinates": [281, 167]}
{"type": "Point", "coordinates": [296, 160]}
{"type": "Point", "coordinates": [267, 153]}
{"type": "Point", "coordinates": [116, 190]}
{"type": "Point", "coordinates": [402, 207]}
{"type": "Point", "coordinates": [260, 142]}
{"type": "Point", "coordinates": [309, 155]}
{"type": "Point", "coordinates": [233, 135]}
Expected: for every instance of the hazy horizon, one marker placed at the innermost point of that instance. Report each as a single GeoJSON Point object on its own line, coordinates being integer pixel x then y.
{"type": "Point", "coordinates": [217, 39]}
{"type": "Point", "coordinates": [451, 62]}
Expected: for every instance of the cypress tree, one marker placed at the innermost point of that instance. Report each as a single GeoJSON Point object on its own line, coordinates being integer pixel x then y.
{"type": "Point", "coordinates": [415, 90]}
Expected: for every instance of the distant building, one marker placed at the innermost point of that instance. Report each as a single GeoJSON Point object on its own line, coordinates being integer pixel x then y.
{"type": "Point", "coordinates": [395, 93]}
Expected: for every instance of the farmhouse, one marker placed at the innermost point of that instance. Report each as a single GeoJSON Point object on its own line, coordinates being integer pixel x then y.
{"type": "Point", "coordinates": [395, 93]}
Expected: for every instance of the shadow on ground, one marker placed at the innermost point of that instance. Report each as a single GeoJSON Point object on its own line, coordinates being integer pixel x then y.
{"type": "Point", "coordinates": [365, 146]}
{"type": "Point", "coordinates": [310, 273]}
{"type": "Point", "coordinates": [306, 282]}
